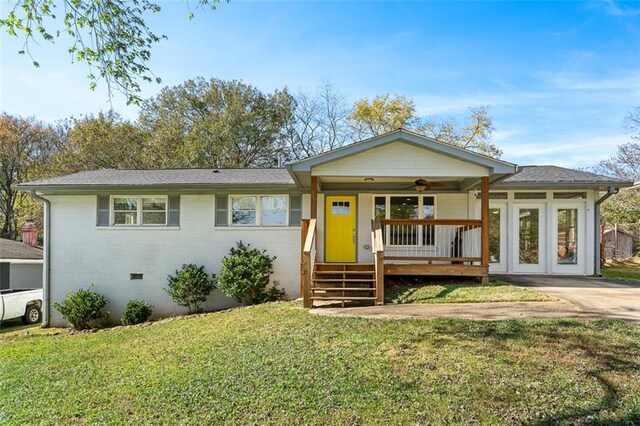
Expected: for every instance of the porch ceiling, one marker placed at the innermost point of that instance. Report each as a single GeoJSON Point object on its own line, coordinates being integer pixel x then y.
{"type": "Point", "coordinates": [386, 184]}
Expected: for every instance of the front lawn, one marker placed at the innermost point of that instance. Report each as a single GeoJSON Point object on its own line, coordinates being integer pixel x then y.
{"type": "Point", "coordinates": [629, 270]}
{"type": "Point", "coordinates": [412, 291]}
{"type": "Point", "coordinates": [14, 325]}
{"type": "Point", "coordinates": [277, 364]}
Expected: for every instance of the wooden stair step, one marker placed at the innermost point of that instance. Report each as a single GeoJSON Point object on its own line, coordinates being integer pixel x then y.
{"type": "Point", "coordinates": [344, 272]}
{"type": "Point", "coordinates": [343, 289]}
{"type": "Point", "coordinates": [346, 280]}
{"type": "Point", "coordinates": [343, 298]}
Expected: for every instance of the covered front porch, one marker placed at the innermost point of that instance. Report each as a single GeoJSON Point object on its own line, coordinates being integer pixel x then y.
{"type": "Point", "coordinates": [336, 265]}
{"type": "Point", "coordinates": [399, 204]}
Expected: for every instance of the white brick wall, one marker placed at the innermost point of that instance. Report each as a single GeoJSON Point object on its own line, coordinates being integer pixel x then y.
{"type": "Point", "coordinates": [82, 253]}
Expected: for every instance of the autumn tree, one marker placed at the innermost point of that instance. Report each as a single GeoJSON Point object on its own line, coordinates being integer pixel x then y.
{"type": "Point", "coordinates": [26, 149]}
{"type": "Point", "coordinates": [320, 123]}
{"type": "Point", "coordinates": [217, 123]}
{"type": "Point", "coordinates": [382, 114]}
{"type": "Point", "coordinates": [101, 142]}
{"type": "Point", "coordinates": [385, 113]}
{"type": "Point", "coordinates": [624, 207]}
{"type": "Point", "coordinates": [625, 163]}
{"type": "Point", "coordinates": [111, 37]}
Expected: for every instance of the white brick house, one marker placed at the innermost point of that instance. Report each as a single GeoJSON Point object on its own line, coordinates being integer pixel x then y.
{"type": "Point", "coordinates": [438, 210]}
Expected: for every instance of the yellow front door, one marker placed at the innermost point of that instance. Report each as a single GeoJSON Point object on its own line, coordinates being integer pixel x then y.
{"type": "Point", "coordinates": [340, 216]}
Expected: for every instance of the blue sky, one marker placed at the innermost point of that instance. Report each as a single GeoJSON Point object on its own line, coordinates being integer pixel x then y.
{"type": "Point", "coordinates": [559, 77]}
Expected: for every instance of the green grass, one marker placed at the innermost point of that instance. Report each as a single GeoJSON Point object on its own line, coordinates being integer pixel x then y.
{"type": "Point", "coordinates": [465, 292]}
{"type": "Point", "coordinates": [625, 271]}
{"type": "Point", "coordinates": [277, 364]}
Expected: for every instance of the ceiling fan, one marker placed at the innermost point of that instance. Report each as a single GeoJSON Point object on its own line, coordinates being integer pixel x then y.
{"type": "Point", "coordinates": [424, 185]}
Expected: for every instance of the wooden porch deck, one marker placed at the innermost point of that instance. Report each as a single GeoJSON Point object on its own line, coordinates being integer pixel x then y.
{"type": "Point", "coordinates": [427, 247]}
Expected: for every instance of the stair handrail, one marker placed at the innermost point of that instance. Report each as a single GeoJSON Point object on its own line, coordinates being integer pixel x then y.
{"type": "Point", "coordinates": [377, 247]}
{"type": "Point", "coordinates": [308, 261]}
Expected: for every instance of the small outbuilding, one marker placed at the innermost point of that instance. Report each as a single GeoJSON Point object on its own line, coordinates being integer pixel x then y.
{"type": "Point", "coordinates": [617, 244]}
{"type": "Point", "coordinates": [21, 262]}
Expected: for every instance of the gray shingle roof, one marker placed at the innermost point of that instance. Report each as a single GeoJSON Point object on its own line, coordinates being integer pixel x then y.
{"type": "Point", "coordinates": [555, 176]}
{"type": "Point", "coordinates": [167, 177]}
{"type": "Point", "coordinates": [10, 249]}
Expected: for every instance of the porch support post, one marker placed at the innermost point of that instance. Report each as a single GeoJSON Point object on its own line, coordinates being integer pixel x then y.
{"type": "Point", "coordinates": [304, 228]}
{"type": "Point", "coordinates": [314, 197]}
{"type": "Point", "coordinates": [484, 183]}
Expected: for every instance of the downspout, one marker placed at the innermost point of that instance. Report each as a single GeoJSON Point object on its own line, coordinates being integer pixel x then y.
{"type": "Point", "coordinates": [597, 252]}
{"type": "Point", "coordinates": [46, 259]}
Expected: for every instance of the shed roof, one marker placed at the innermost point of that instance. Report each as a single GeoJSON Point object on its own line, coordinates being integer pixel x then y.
{"type": "Point", "coordinates": [15, 250]}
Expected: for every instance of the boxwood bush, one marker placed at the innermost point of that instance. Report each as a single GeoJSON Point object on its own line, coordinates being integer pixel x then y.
{"type": "Point", "coordinates": [82, 308]}
{"type": "Point", "coordinates": [190, 287]}
{"type": "Point", "coordinates": [136, 312]}
{"type": "Point", "coordinates": [245, 275]}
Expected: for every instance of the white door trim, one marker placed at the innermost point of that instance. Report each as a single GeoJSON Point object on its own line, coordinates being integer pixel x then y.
{"type": "Point", "coordinates": [516, 266]}
{"type": "Point", "coordinates": [575, 268]}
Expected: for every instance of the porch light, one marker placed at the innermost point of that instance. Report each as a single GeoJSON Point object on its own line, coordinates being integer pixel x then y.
{"type": "Point", "coordinates": [420, 188]}
{"type": "Point", "coordinates": [368, 179]}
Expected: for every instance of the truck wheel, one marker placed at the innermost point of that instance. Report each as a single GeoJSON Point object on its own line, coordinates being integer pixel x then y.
{"type": "Point", "coordinates": [32, 315]}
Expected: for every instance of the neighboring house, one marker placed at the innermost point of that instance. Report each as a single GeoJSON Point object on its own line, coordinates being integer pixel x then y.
{"type": "Point", "coordinates": [338, 222]}
{"type": "Point", "coordinates": [20, 263]}
{"type": "Point", "coordinates": [618, 244]}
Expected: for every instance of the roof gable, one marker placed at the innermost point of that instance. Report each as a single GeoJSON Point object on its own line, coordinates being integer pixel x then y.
{"type": "Point", "coordinates": [403, 135]}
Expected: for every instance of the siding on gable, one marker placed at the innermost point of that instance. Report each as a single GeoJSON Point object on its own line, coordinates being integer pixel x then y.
{"type": "Point", "coordinates": [83, 253]}
{"type": "Point", "coordinates": [399, 159]}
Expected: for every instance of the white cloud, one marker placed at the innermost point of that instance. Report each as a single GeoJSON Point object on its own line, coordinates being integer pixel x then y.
{"type": "Point", "coordinates": [613, 8]}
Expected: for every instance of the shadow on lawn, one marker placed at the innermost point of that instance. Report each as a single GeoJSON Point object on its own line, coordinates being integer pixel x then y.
{"type": "Point", "coordinates": [14, 325]}
{"type": "Point", "coordinates": [605, 359]}
{"type": "Point", "coordinates": [407, 289]}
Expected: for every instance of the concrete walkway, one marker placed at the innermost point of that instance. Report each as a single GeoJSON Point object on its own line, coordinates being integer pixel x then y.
{"type": "Point", "coordinates": [578, 298]}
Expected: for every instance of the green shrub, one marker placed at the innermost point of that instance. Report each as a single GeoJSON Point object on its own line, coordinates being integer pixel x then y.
{"type": "Point", "coordinates": [82, 307]}
{"type": "Point", "coordinates": [136, 312]}
{"type": "Point", "coordinates": [245, 275]}
{"type": "Point", "coordinates": [190, 287]}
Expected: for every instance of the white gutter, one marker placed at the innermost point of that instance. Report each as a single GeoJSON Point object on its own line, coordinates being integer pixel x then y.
{"type": "Point", "coordinates": [46, 268]}
{"type": "Point", "coordinates": [597, 252]}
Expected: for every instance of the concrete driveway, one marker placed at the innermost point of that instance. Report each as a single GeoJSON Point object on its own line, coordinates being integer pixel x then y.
{"type": "Point", "coordinates": [594, 297]}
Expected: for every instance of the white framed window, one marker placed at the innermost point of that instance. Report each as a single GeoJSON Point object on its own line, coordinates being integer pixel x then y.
{"type": "Point", "coordinates": [259, 210]}
{"type": "Point", "coordinates": [406, 206]}
{"type": "Point", "coordinates": [143, 210]}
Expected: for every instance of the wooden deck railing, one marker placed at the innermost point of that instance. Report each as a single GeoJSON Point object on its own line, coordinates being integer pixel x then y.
{"type": "Point", "coordinates": [377, 246]}
{"type": "Point", "coordinates": [308, 259]}
{"type": "Point", "coordinates": [448, 241]}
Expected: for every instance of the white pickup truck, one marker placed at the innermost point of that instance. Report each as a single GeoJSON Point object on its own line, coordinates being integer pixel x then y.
{"type": "Point", "coordinates": [21, 303]}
